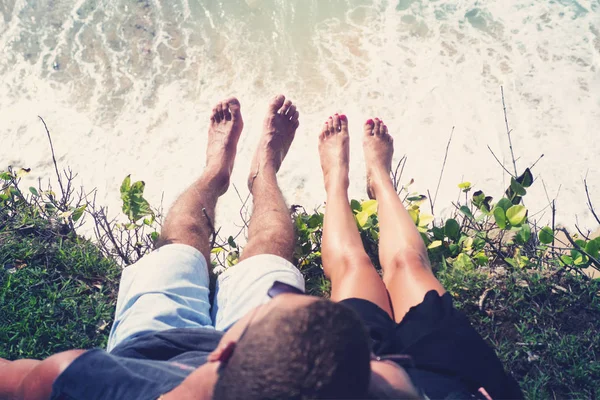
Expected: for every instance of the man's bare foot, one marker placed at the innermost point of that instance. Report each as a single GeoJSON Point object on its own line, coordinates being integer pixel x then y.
{"type": "Point", "coordinates": [378, 146]}
{"type": "Point", "coordinates": [335, 153]}
{"type": "Point", "coordinates": [279, 129]}
{"type": "Point", "coordinates": [226, 125]}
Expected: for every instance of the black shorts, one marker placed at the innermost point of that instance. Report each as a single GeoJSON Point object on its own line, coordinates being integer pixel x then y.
{"type": "Point", "coordinates": [446, 351]}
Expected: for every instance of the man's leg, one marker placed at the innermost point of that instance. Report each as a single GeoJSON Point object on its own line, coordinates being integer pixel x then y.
{"type": "Point", "coordinates": [345, 261]}
{"type": "Point", "coordinates": [406, 269]}
{"type": "Point", "coordinates": [169, 288]}
{"type": "Point", "coordinates": [271, 230]}
{"type": "Point", "coordinates": [191, 218]}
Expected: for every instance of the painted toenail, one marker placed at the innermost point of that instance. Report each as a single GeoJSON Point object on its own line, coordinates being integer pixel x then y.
{"type": "Point", "coordinates": [343, 117]}
{"type": "Point", "coordinates": [370, 121]}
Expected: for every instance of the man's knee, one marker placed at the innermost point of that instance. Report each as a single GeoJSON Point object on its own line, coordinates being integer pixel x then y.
{"type": "Point", "coordinates": [406, 261]}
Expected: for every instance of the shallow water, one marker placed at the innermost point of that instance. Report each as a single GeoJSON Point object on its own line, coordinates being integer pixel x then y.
{"type": "Point", "coordinates": [126, 87]}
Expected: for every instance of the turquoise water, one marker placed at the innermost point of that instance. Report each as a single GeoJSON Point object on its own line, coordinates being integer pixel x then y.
{"type": "Point", "coordinates": [126, 86]}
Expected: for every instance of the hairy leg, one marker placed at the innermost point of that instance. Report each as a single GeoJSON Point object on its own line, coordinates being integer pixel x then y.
{"type": "Point", "coordinates": [345, 261]}
{"type": "Point", "coordinates": [191, 218]}
{"type": "Point", "coordinates": [406, 269]}
{"type": "Point", "coordinates": [271, 230]}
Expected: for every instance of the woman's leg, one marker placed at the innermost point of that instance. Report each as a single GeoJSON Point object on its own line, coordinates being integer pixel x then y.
{"type": "Point", "coordinates": [345, 261]}
{"type": "Point", "coordinates": [406, 269]}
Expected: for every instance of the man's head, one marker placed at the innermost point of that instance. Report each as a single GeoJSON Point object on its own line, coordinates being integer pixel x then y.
{"type": "Point", "coordinates": [298, 347]}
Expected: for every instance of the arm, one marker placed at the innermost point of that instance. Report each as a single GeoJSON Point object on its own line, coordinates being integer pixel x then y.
{"type": "Point", "coordinates": [33, 379]}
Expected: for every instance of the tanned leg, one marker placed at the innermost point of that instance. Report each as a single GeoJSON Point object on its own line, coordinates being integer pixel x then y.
{"type": "Point", "coordinates": [406, 269]}
{"type": "Point", "coordinates": [271, 230]}
{"type": "Point", "coordinates": [190, 220]}
{"type": "Point", "coordinates": [345, 261]}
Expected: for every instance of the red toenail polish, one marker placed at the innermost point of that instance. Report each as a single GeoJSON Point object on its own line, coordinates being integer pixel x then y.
{"type": "Point", "coordinates": [343, 117]}
{"type": "Point", "coordinates": [370, 121]}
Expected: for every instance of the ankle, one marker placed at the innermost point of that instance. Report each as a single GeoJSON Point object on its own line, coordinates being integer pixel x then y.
{"type": "Point", "coordinates": [215, 180]}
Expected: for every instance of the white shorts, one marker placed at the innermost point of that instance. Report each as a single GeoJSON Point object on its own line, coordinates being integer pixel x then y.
{"type": "Point", "coordinates": [168, 288]}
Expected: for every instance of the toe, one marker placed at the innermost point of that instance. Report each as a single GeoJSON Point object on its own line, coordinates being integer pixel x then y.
{"type": "Point", "coordinates": [377, 128]}
{"type": "Point", "coordinates": [336, 122]}
{"type": "Point", "coordinates": [331, 126]}
{"type": "Point", "coordinates": [384, 131]}
{"type": "Point", "coordinates": [226, 113]}
{"type": "Point", "coordinates": [324, 131]}
{"type": "Point", "coordinates": [291, 111]}
{"type": "Point", "coordinates": [276, 103]}
{"type": "Point", "coordinates": [215, 115]}
{"type": "Point", "coordinates": [234, 107]}
{"type": "Point", "coordinates": [343, 123]}
{"type": "Point", "coordinates": [369, 127]}
{"type": "Point", "coordinates": [220, 111]}
{"type": "Point", "coordinates": [286, 106]}
{"type": "Point", "coordinates": [295, 117]}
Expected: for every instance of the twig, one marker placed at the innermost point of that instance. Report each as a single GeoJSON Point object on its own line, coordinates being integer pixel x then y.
{"type": "Point", "coordinates": [499, 162]}
{"type": "Point", "coordinates": [483, 297]}
{"type": "Point", "coordinates": [395, 176]}
{"type": "Point", "coordinates": [508, 131]}
{"type": "Point", "coordinates": [590, 206]}
{"type": "Point", "coordinates": [534, 164]}
{"type": "Point", "coordinates": [430, 203]}
{"type": "Point", "coordinates": [578, 247]}
{"type": "Point", "coordinates": [53, 157]}
{"type": "Point", "coordinates": [443, 166]}
{"type": "Point", "coordinates": [212, 228]}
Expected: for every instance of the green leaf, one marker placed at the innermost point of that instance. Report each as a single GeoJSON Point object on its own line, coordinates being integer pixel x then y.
{"type": "Point", "coordinates": [500, 217]}
{"type": "Point", "coordinates": [504, 203]}
{"type": "Point", "coordinates": [425, 219]}
{"type": "Point", "coordinates": [362, 218]}
{"type": "Point", "coordinates": [215, 250]}
{"type": "Point", "coordinates": [231, 242]}
{"type": "Point", "coordinates": [355, 206]}
{"type": "Point", "coordinates": [465, 186]}
{"type": "Point", "coordinates": [435, 244]}
{"type": "Point", "coordinates": [516, 215]}
{"type": "Point", "coordinates": [593, 247]}
{"type": "Point", "coordinates": [369, 206]}
{"type": "Point", "coordinates": [465, 210]}
{"type": "Point", "coordinates": [526, 178]}
{"type": "Point", "coordinates": [22, 172]}
{"type": "Point", "coordinates": [463, 261]}
{"type": "Point", "coordinates": [546, 235]}
{"type": "Point", "coordinates": [481, 258]}
{"type": "Point", "coordinates": [512, 262]}
{"type": "Point", "coordinates": [315, 220]}
{"type": "Point", "coordinates": [78, 212]}
{"type": "Point", "coordinates": [566, 259]}
{"type": "Point", "coordinates": [578, 257]}
{"type": "Point", "coordinates": [5, 176]}
{"type": "Point", "coordinates": [34, 191]}
{"type": "Point", "coordinates": [524, 234]}
{"type": "Point", "coordinates": [454, 249]}
{"type": "Point", "coordinates": [232, 258]}
{"type": "Point", "coordinates": [154, 236]}
{"type": "Point", "coordinates": [438, 233]}
{"type": "Point", "coordinates": [414, 215]}
{"type": "Point", "coordinates": [517, 188]}
{"type": "Point", "coordinates": [452, 229]}
{"type": "Point", "coordinates": [126, 184]}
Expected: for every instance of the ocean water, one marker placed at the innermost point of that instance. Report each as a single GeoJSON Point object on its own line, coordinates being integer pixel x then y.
{"type": "Point", "coordinates": [126, 87]}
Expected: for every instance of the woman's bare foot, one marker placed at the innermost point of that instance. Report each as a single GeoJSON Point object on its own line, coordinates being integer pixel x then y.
{"type": "Point", "coordinates": [335, 153]}
{"type": "Point", "coordinates": [279, 129]}
{"type": "Point", "coordinates": [226, 125]}
{"type": "Point", "coordinates": [378, 146]}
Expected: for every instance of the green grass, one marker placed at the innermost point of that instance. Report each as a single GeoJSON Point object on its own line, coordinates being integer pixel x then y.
{"type": "Point", "coordinates": [56, 292]}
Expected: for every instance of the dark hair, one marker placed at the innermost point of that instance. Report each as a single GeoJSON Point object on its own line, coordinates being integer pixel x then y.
{"type": "Point", "coordinates": [317, 351]}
